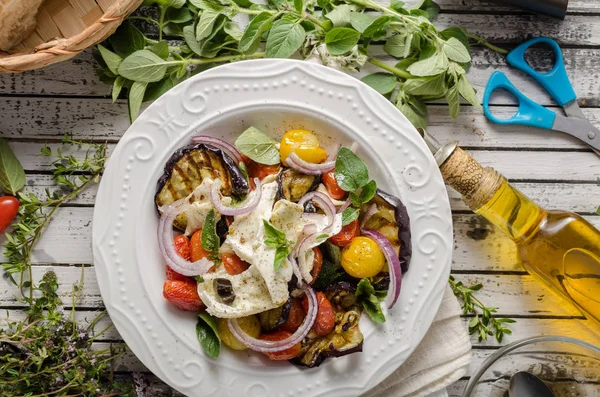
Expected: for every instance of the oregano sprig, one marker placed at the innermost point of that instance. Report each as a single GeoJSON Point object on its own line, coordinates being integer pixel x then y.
{"type": "Point", "coordinates": [430, 64]}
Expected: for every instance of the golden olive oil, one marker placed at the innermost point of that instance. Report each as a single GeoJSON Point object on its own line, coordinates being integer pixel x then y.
{"type": "Point", "coordinates": [560, 248]}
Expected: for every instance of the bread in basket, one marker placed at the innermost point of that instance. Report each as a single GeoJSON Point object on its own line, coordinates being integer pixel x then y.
{"type": "Point", "coordinates": [63, 29]}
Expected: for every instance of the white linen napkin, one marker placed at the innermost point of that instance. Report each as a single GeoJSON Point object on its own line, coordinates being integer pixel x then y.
{"type": "Point", "coordinates": [440, 360]}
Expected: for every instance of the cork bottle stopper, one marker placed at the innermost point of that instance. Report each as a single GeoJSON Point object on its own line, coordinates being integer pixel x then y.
{"type": "Point", "coordinates": [476, 183]}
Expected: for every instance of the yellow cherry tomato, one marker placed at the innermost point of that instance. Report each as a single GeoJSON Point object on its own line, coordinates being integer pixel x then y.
{"type": "Point", "coordinates": [305, 144]}
{"type": "Point", "coordinates": [249, 324]}
{"type": "Point", "coordinates": [362, 257]}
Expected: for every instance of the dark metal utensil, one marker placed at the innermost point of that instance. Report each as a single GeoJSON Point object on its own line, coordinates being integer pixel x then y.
{"type": "Point", "coordinates": [524, 384]}
{"type": "Point", "coordinates": [554, 8]}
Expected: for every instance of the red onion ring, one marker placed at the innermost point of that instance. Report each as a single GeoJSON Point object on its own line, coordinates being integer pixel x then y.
{"type": "Point", "coordinates": [300, 253]}
{"type": "Point", "coordinates": [296, 270]}
{"type": "Point", "coordinates": [393, 262]}
{"type": "Point", "coordinates": [295, 162]}
{"type": "Point", "coordinates": [324, 202]}
{"type": "Point", "coordinates": [219, 144]}
{"type": "Point", "coordinates": [372, 210]}
{"type": "Point", "coordinates": [344, 206]}
{"type": "Point", "coordinates": [265, 346]}
{"type": "Point", "coordinates": [247, 206]}
{"type": "Point", "coordinates": [167, 247]}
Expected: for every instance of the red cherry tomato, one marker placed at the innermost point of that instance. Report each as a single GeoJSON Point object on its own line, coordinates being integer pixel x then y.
{"type": "Point", "coordinates": [295, 317]}
{"type": "Point", "coordinates": [345, 235]}
{"type": "Point", "coordinates": [325, 315]}
{"type": "Point", "coordinates": [317, 264]}
{"type": "Point", "coordinates": [334, 190]}
{"type": "Point", "coordinates": [9, 208]}
{"type": "Point", "coordinates": [234, 265]}
{"type": "Point", "coordinates": [286, 354]}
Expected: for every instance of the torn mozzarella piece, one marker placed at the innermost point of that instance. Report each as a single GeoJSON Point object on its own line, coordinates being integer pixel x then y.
{"type": "Point", "coordinates": [200, 206]}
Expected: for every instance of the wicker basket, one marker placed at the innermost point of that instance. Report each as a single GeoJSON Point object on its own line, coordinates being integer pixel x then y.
{"type": "Point", "coordinates": [65, 28]}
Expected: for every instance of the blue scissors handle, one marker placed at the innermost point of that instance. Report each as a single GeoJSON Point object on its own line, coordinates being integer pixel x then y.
{"type": "Point", "coordinates": [556, 81]}
{"type": "Point", "coordinates": [529, 112]}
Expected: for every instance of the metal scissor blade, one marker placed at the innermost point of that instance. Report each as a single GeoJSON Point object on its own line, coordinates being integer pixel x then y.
{"type": "Point", "coordinates": [572, 109]}
{"type": "Point", "coordinates": [580, 128]}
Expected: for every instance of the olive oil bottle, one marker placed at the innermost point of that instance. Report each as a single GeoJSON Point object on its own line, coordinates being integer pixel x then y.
{"type": "Point", "coordinates": [560, 248]}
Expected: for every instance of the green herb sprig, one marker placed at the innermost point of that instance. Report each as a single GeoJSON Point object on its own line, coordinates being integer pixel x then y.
{"type": "Point", "coordinates": [210, 239]}
{"type": "Point", "coordinates": [352, 175]}
{"type": "Point", "coordinates": [49, 353]}
{"type": "Point", "coordinates": [483, 324]}
{"type": "Point", "coordinates": [431, 64]}
{"type": "Point", "coordinates": [370, 298]}
{"type": "Point", "coordinates": [278, 240]}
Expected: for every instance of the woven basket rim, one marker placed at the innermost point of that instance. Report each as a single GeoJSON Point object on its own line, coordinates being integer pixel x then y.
{"type": "Point", "coordinates": [61, 49]}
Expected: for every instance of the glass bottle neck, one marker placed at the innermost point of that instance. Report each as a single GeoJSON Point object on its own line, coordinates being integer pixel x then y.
{"type": "Point", "coordinates": [512, 212]}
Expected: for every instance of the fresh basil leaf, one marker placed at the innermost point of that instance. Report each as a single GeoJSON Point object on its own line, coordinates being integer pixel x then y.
{"type": "Point", "coordinates": [299, 5]}
{"type": "Point", "coordinates": [340, 15]}
{"type": "Point", "coordinates": [232, 29]}
{"type": "Point", "coordinates": [117, 87]}
{"type": "Point", "coordinates": [355, 199]}
{"type": "Point", "coordinates": [285, 38]}
{"type": "Point", "coordinates": [456, 69]}
{"type": "Point", "coordinates": [179, 15]}
{"type": "Point", "coordinates": [143, 66]}
{"type": "Point", "coordinates": [429, 86]}
{"type": "Point", "coordinates": [416, 119]}
{"type": "Point", "coordinates": [206, 23]}
{"type": "Point", "coordinates": [210, 239]}
{"type": "Point", "coordinates": [453, 101]}
{"type": "Point", "coordinates": [323, 3]}
{"type": "Point", "coordinates": [156, 90]}
{"type": "Point", "coordinates": [12, 176]}
{"type": "Point", "coordinates": [244, 3]}
{"type": "Point", "coordinates": [419, 13]}
{"type": "Point", "coordinates": [466, 91]}
{"type": "Point", "coordinates": [206, 5]}
{"type": "Point", "coordinates": [365, 294]}
{"type": "Point", "coordinates": [431, 8]}
{"type": "Point", "coordinates": [274, 235]}
{"type": "Point", "coordinates": [405, 63]}
{"type": "Point", "coordinates": [350, 172]}
{"type": "Point", "coordinates": [368, 192]}
{"type": "Point", "coordinates": [112, 60]}
{"type": "Point", "coordinates": [341, 40]}
{"type": "Point", "coordinates": [384, 83]}
{"type": "Point", "coordinates": [398, 46]}
{"type": "Point", "coordinates": [458, 33]}
{"type": "Point", "coordinates": [173, 29]}
{"type": "Point", "coordinates": [360, 21]}
{"type": "Point", "coordinates": [598, 210]}
{"type": "Point", "coordinates": [161, 49]}
{"type": "Point", "coordinates": [376, 29]}
{"type": "Point", "coordinates": [281, 253]}
{"type": "Point", "coordinates": [434, 65]}
{"type": "Point", "coordinates": [189, 35]}
{"type": "Point", "coordinates": [207, 334]}
{"type": "Point", "coordinates": [136, 96]}
{"type": "Point", "coordinates": [258, 146]}
{"type": "Point", "coordinates": [349, 215]}
{"type": "Point", "coordinates": [418, 104]}
{"type": "Point", "coordinates": [127, 39]}
{"type": "Point", "coordinates": [397, 6]}
{"type": "Point", "coordinates": [250, 40]}
{"type": "Point", "coordinates": [456, 51]}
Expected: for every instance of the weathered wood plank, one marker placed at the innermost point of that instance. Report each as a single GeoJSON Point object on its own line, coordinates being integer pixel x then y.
{"type": "Point", "coordinates": [38, 184]}
{"type": "Point", "coordinates": [99, 119]}
{"type": "Point", "coordinates": [515, 165]}
{"type": "Point", "coordinates": [474, 6]}
{"type": "Point", "coordinates": [478, 245]}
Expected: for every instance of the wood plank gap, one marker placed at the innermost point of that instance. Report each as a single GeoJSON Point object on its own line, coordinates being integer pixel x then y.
{"type": "Point", "coordinates": [491, 272]}
{"type": "Point", "coordinates": [524, 316]}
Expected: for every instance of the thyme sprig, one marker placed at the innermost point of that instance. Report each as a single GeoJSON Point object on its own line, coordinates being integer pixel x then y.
{"type": "Point", "coordinates": [483, 324]}
{"type": "Point", "coordinates": [49, 353]}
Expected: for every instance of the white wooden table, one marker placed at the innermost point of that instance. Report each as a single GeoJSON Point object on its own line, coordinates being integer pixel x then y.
{"type": "Point", "coordinates": [553, 169]}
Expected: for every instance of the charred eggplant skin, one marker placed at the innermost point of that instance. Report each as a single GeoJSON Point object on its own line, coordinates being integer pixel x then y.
{"type": "Point", "coordinates": [403, 222]}
{"type": "Point", "coordinates": [236, 183]}
{"type": "Point", "coordinates": [271, 319]}
{"type": "Point", "coordinates": [293, 185]}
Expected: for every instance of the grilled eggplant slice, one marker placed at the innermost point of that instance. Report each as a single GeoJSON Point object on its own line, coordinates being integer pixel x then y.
{"type": "Point", "coordinates": [391, 220]}
{"type": "Point", "coordinates": [187, 168]}
{"type": "Point", "coordinates": [345, 338]}
{"type": "Point", "coordinates": [293, 185]}
{"type": "Point", "coordinates": [273, 318]}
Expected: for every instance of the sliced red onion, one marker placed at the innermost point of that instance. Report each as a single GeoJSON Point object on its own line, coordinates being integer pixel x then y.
{"type": "Point", "coordinates": [310, 228]}
{"type": "Point", "coordinates": [219, 144]}
{"type": "Point", "coordinates": [247, 206]}
{"type": "Point", "coordinates": [372, 210]}
{"type": "Point", "coordinates": [324, 202]}
{"type": "Point", "coordinates": [296, 270]}
{"type": "Point", "coordinates": [167, 247]}
{"type": "Point", "coordinates": [295, 162]}
{"type": "Point", "coordinates": [265, 346]}
{"type": "Point", "coordinates": [344, 206]}
{"type": "Point", "coordinates": [393, 264]}
{"type": "Point", "coordinates": [305, 245]}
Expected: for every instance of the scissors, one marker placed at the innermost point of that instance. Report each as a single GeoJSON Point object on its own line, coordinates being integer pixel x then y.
{"type": "Point", "coordinates": [557, 83]}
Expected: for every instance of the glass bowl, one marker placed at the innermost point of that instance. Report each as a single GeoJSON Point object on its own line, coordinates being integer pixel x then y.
{"type": "Point", "coordinates": [570, 367]}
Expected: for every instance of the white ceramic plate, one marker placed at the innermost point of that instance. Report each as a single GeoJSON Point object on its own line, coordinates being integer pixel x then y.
{"type": "Point", "coordinates": [273, 95]}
